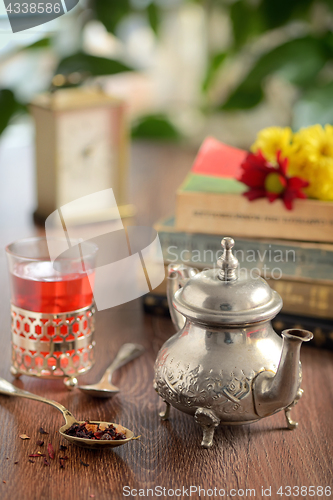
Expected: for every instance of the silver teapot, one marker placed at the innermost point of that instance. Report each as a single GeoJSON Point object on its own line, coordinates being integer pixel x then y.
{"type": "Point", "coordinates": [226, 365]}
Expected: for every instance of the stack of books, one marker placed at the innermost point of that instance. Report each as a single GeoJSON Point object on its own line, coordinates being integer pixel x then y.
{"type": "Point", "coordinates": [292, 250]}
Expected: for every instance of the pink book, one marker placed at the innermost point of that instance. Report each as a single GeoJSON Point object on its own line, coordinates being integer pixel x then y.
{"type": "Point", "coordinates": [216, 159]}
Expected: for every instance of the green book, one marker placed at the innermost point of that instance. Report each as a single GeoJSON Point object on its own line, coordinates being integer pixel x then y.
{"type": "Point", "coordinates": [209, 184]}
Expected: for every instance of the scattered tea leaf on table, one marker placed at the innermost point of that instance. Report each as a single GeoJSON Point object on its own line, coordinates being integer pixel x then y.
{"type": "Point", "coordinates": [24, 436]}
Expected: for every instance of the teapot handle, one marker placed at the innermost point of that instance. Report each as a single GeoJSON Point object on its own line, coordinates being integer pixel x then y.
{"type": "Point", "coordinates": [178, 275]}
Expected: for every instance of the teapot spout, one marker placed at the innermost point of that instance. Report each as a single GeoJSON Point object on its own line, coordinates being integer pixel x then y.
{"type": "Point", "coordinates": [273, 392]}
{"type": "Point", "coordinates": [178, 275]}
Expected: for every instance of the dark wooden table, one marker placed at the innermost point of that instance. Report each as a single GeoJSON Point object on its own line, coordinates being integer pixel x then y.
{"type": "Point", "coordinates": [168, 454]}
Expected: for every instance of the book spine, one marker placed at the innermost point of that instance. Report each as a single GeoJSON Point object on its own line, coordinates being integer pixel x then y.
{"type": "Point", "coordinates": [307, 299]}
{"type": "Point", "coordinates": [271, 259]}
{"type": "Point", "coordinates": [322, 330]}
{"type": "Point", "coordinates": [310, 220]}
{"type": "Point", "coordinates": [303, 298]}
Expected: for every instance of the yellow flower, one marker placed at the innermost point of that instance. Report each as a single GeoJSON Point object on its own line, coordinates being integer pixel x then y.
{"type": "Point", "coordinates": [312, 160]}
{"type": "Point", "coordinates": [270, 140]}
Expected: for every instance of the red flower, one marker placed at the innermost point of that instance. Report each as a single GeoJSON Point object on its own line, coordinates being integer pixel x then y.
{"type": "Point", "coordinates": [268, 181]}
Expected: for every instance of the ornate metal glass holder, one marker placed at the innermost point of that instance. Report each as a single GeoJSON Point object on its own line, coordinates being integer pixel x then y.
{"type": "Point", "coordinates": [53, 345]}
{"type": "Point", "coordinates": [52, 308]}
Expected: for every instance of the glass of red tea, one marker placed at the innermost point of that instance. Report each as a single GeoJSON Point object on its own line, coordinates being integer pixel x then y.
{"type": "Point", "coordinates": [52, 307]}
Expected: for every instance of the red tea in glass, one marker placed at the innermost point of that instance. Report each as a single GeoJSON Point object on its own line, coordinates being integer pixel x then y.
{"type": "Point", "coordinates": [52, 309]}
{"type": "Point", "coordinates": [37, 287]}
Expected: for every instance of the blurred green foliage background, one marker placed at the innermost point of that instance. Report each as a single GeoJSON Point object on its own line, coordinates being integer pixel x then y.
{"type": "Point", "coordinates": [301, 55]}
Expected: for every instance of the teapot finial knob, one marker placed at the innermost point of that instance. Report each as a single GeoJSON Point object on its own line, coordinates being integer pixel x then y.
{"type": "Point", "coordinates": [227, 262]}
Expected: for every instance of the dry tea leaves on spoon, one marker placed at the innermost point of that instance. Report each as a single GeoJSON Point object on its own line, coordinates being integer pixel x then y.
{"type": "Point", "coordinates": [88, 430]}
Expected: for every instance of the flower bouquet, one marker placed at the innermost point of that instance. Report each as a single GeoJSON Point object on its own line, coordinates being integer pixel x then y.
{"type": "Point", "coordinates": [282, 188]}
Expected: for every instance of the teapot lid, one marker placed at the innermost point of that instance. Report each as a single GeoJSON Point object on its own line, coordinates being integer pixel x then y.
{"type": "Point", "coordinates": [227, 296]}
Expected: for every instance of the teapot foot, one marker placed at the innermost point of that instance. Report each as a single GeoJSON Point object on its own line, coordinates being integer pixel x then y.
{"type": "Point", "coordinates": [166, 413]}
{"type": "Point", "coordinates": [290, 422]}
{"type": "Point", "coordinates": [208, 421]}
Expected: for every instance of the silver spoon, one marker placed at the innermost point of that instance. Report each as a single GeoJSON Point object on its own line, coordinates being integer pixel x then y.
{"type": "Point", "coordinates": [104, 388]}
{"type": "Point", "coordinates": [10, 390]}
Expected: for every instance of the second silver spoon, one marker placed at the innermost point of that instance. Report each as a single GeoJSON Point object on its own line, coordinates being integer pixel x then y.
{"type": "Point", "coordinates": [104, 388]}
